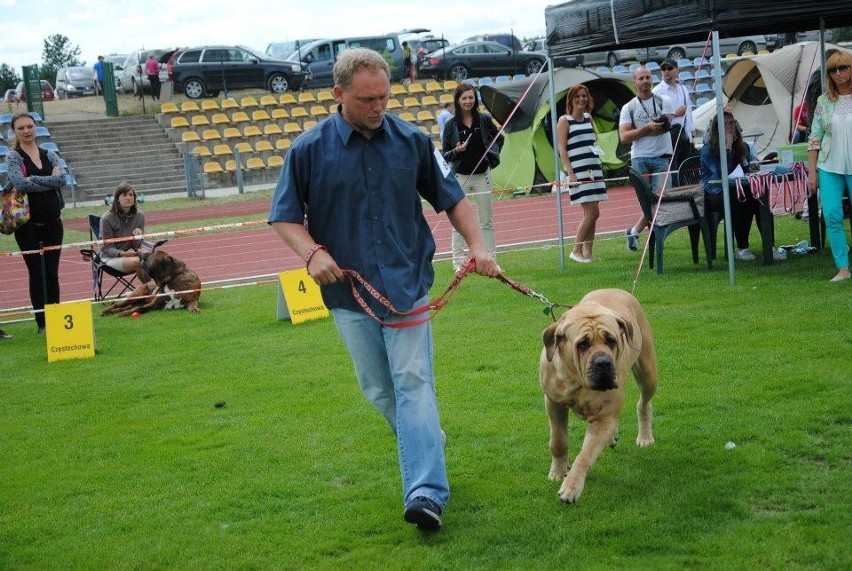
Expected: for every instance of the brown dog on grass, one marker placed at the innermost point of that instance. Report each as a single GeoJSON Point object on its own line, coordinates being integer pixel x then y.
{"type": "Point", "coordinates": [583, 367]}
{"type": "Point", "coordinates": [167, 283]}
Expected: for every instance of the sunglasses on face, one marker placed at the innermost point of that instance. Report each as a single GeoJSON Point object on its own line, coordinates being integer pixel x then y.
{"type": "Point", "coordinates": [840, 68]}
{"type": "Point", "coordinates": [666, 67]}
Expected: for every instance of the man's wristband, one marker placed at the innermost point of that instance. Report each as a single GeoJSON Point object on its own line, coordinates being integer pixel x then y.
{"type": "Point", "coordinates": [313, 250]}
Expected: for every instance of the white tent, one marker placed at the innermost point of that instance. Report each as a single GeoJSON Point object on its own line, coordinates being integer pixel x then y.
{"type": "Point", "coordinates": [763, 91]}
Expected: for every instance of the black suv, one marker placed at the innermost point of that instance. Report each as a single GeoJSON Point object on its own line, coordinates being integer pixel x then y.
{"type": "Point", "coordinates": [207, 70]}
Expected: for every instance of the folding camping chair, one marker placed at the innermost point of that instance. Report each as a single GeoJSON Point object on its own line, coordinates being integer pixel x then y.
{"type": "Point", "coordinates": [122, 281]}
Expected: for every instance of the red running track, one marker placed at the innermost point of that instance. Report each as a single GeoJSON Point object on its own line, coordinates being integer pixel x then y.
{"type": "Point", "coordinates": [249, 254]}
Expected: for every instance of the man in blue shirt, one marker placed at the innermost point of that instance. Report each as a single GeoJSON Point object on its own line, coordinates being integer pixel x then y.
{"type": "Point", "coordinates": [349, 196]}
{"type": "Point", "coordinates": [99, 73]}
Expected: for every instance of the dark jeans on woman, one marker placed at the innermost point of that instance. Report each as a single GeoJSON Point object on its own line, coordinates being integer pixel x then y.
{"type": "Point", "coordinates": [742, 214]}
{"type": "Point", "coordinates": [155, 86]}
{"type": "Point", "coordinates": [28, 238]}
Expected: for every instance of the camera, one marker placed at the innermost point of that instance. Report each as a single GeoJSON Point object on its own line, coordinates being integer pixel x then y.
{"type": "Point", "coordinates": [664, 121]}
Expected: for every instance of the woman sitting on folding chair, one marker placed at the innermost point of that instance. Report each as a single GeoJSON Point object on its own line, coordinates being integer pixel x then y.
{"type": "Point", "coordinates": [122, 220]}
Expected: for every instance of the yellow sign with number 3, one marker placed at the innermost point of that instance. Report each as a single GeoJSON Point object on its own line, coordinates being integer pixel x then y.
{"type": "Point", "coordinates": [70, 331]}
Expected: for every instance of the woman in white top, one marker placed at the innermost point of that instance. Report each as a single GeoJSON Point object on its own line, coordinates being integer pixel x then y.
{"type": "Point", "coordinates": [577, 148]}
{"type": "Point", "coordinates": [830, 155]}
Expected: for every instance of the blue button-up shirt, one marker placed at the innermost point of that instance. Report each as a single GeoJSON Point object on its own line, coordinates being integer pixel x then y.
{"type": "Point", "coordinates": [711, 167]}
{"type": "Point", "coordinates": [361, 199]}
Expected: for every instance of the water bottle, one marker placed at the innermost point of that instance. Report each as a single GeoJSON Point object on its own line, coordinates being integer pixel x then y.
{"type": "Point", "coordinates": [801, 247]}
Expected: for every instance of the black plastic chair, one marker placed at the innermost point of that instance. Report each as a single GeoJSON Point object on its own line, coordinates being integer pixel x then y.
{"type": "Point", "coordinates": [692, 219]}
{"type": "Point", "coordinates": [122, 281]}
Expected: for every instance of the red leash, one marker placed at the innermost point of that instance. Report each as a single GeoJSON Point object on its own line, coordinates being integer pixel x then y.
{"type": "Point", "coordinates": [439, 303]}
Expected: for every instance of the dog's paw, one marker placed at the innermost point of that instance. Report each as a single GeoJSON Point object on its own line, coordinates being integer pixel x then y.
{"type": "Point", "coordinates": [613, 440]}
{"type": "Point", "coordinates": [571, 489]}
{"type": "Point", "coordinates": [558, 470]}
{"type": "Point", "coordinates": [642, 441]}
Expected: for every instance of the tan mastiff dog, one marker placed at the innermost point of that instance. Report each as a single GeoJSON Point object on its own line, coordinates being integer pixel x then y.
{"type": "Point", "coordinates": [583, 366]}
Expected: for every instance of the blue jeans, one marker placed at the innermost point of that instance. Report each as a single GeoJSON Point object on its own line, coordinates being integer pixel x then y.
{"type": "Point", "coordinates": [831, 189]}
{"type": "Point", "coordinates": [656, 165]}
{"type": "Point", "coordinates": [394, 370]}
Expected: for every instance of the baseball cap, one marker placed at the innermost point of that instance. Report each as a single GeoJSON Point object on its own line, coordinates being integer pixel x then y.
{"type": "Point", "coordinates": [669, 61]}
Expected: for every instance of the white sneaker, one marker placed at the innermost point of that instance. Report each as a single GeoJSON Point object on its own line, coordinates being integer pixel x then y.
{"type": "Point", "coordinates": [745, 255]}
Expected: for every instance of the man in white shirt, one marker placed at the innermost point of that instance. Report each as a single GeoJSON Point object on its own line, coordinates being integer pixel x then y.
{"type": "Point", "coordinates": [644, 123]}
{"type": "Point", "coordinates": [683, 124]}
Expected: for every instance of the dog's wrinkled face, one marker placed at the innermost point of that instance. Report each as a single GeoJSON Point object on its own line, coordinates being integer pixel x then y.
{"type": "Point", "coordinates": [160, 266]}
{"type": "Point", "coordinates": [588, 342]}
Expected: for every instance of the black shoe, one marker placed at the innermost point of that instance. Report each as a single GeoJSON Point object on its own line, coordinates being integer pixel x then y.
{"type": "Point", "coordinates": [4, 335]}
{"type": "Point", "coordinates": [41, 330]}
{"type": "Point", "coordinates": [423, 512]}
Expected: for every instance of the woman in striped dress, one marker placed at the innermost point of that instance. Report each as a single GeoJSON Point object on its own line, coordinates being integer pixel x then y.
{"type": "Point", "coordinates": [576, 139]}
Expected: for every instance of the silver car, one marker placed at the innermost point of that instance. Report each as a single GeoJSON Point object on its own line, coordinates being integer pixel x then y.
{"type": "Point", "coordinates": [611, 58]}
{"type": "Point", "coordinates": [692, 50]}
{"type": "Point", "coordinates": [132, 77]}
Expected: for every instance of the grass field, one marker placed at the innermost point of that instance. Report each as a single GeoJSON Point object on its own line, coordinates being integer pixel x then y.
{"type": "Point", "coordinates": [123, 461]}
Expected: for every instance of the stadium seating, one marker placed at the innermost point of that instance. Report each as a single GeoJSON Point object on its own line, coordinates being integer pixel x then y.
{"type": "Point", "coordinates": [189, 107]}
{"type": "Point", "coordinates": [168, 108]}
{"type": "Point", "coordinates": [219, 119]}
{"type": "Point", "coordinates": [248, 102]}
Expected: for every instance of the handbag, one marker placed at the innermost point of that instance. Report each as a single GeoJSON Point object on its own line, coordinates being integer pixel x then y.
{"type": "Point", "coordinates": [15, 209]}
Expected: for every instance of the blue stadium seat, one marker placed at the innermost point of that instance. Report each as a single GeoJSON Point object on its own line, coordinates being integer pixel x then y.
{"type": "Point", "coordinates": [502, 79]}
{"type": "Point", "coordinates": [518, 76]}
{"type": "Point", "coordinates": [42, 131]}
{"type": "Point", "coordinates": [49, 146]}
{"type": "Point", "coordinates": [603, 69]}
{"type": "Point", "coordinates": [36, 116]}
{"type": "Point", "coordinates": [701, 101]}
{"type": "Point", "coordinates": [653, 66]}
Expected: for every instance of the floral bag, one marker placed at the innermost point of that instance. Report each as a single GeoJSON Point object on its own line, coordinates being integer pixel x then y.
{"type": "Point", "coordinates": [15, 209]}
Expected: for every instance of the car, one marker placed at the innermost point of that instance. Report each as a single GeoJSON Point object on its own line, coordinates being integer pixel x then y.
{"type": "Point", "coordinates": [281, 50]}
{"type": "Point", "coordinates": [47, 93]}
{"type": "Point", "coordinates": [10, 97]}
{"type": "Point", "coordinates": [478, 59]}
{"type": "Point", "coordinates": [540, 45]}
{"type": "Point", "coordinates": [207, 70]}
{"type": "Point", "coordinates": [738, 45]}
{"type": "Point", "coordinates": [427, 45]}
{"type": "Point", "coordinates": [511, 41]}
{"type": "Point", "coordinates": [132, 77]}
{"type": "Point", "coordinates": [609, 58]}
{"type": "Point", "coordinates": [74, 82]}
{"type": "Point", "coordinates": [318, 57]}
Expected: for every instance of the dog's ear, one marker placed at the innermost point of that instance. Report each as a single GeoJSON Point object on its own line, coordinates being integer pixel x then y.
{"type": "Point", "coordinates": [626, 330]}
{"type": "Point", "coordinates": [549, 339]}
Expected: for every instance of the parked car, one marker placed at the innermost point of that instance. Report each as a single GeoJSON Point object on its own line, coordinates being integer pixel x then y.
{"type": "Point", "coordinates": [609, 58]}
{"type": "Point", "coordinates": [10, 97]}
{"type": "Point", "coordinates": [281, 50]}
{"type": "Point", "coordinates": [47, 93]}
{"type": "Point", "coordinates": [319, 56]}
{"type": "Point", "coordinates": [132, 77]}
{"type": "Point", "coordinates": [738, 45]}
{"type": "Point", "coordinates": [207, 70]}
{"type": "Point", "coordinates": [511, 41]}
{"type": "Point", "coordinates": [427, 45]}
{"type": "Point", "coordinates": [74, 82]}
{"type": "Point", "coordinates": [478, 59]}
{"type": "Point", "coordinates": [538, 45]}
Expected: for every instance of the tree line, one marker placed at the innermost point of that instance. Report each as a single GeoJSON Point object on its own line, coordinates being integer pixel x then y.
{"type": "Point", "coordinates": [57, 52]}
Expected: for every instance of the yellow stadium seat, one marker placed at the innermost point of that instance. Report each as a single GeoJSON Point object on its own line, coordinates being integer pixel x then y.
{"type": "Point", "coordinates": [445, 98]}
{"type": "Point", "coordinates": [230, 165]}
{"type": "Point", "coordinates": [231, 133]}
{"type": "Point", "coordinates": [318, 111]}
{"type": "Point", "coordinates": [222, 150]}
{"type": "Point", "coordinates": [199, 121]}
{"type": "Point", "coordinates": [332, 108]}
{"type": "Point", "coordinates": [394, 104]}
{"type": "Point", "coordinates": [210, 135]}
{"type": "Point", "coordinates": [272, 129]}
{"type": "Point", "coordinates": [424, 116]}
{"type": "Point", "coordinates": [243, 147]}
{"type": "Point", "coordinates": [189, 137]}
{"type": "Point", "coordinates": [189, 107]}
{"type": "Point", "coordinates": [423, 129]}
{"type": "Point", "coordinates": [307, 97]}
{"type": "Point", "coordinates": [450, 85]}
{"type": "Point", "coordinates": [429, 101]}
{"type": "Point", "coordinates": [407, 116]}
{"type": "Point", "coordinates": [263, 145]}
{"type": "Point", "coordinates": [280, 113]}
{"type": "Point", "coordinates": [432, 86]}
{"type": "Point", "coordinates": [255, 163]}
{"type": "Point", "coordinates": [219, 119]}
{"type": "Point", "coordinates": [275, 162]}
{"type": "Point", "coordinates": [308, 124]}
{"type": "Point", "coordinates": [212, 167]}
{"type": "Point", "coordinates": [201, 150]}
{"type": "Point", "coordinates": [415, 87]}
{"type": "Point", "coordinates": [410, 102]}
{"type": "Point", "coordinates": [240, 117]}
{"type": "Point", "coordinates": [268, 101]}
{"type": "Point", "coordinates": [435, 130]}
{"type": "Point", "coordinates": [168, 107]}
{"type": "Point", "coordinates": [325, 95]}
{"type": "Point", "coordinates": [287, 99]}
{"type": "Point", "coordinates": [248, 101]}
{"type": "Point", "coordinates": [283, 144]}
{"type": "Point", "coordinates": [209, 105]}
{"type": "Point", "coordinates": [252, 131]}
{"type": "Point", "coordinates": [292, 127]}
{"type": "Point", "coordinates": [397, 89]}
{"type": "Point", "coordinates": [229, 104]}
{"type": "Point", "coordinates": [298, 112]}
{"type": "Point", "coordinates": [179, 123]}
{"type": "Point", "coordinates": [260, 115]}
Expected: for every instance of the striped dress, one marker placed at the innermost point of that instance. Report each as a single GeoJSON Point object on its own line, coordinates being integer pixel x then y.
{"type": "Point", "coordinates": [581, 136]}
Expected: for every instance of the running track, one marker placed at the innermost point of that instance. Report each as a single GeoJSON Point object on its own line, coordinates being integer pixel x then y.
{"type": "Point", "coordinates": [256, 252]}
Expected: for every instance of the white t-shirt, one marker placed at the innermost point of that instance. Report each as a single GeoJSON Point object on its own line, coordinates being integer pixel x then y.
{"type": "Point", "coordinates": [678, 96]}
{"type": "Point", "coordinates": [638, 114]}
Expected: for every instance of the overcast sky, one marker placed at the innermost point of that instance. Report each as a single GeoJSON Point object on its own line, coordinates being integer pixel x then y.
{"type": "Point", "coordinates": [120, 26]}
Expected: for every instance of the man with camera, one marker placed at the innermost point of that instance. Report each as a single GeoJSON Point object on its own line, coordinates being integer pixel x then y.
{"type": "Point", "coordinates": [683, 124]}
{"type": "Point", "coordinates": [645, 123]}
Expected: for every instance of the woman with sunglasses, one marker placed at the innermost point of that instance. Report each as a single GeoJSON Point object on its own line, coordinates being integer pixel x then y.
{"type": "Point", "coordinates": [830, 155]}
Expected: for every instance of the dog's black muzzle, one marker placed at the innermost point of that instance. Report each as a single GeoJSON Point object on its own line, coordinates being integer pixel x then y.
{"type": "Point", "coordinates": [602, 373]}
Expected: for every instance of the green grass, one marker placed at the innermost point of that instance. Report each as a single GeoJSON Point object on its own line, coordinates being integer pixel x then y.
{"type": "Point", "coordinates": [122, 461]}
